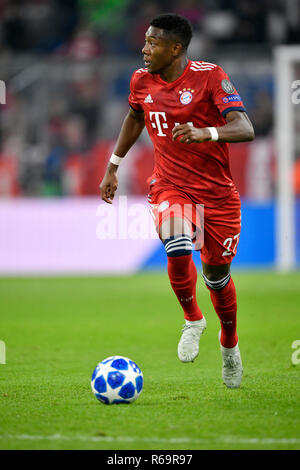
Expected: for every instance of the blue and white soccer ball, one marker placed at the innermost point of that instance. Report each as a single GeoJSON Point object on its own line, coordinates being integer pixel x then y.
{"type": "Point", "coordinates": [117, 379]}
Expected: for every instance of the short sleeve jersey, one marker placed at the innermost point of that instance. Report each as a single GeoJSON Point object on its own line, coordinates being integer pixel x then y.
{"type": "Point", "coordinates": [201, 96]}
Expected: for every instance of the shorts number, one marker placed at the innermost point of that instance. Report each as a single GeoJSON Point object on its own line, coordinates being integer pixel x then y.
{"type": "Point", "coordinates": [228, 242]}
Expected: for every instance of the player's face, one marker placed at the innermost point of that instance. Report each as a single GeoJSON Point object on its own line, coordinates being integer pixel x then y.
{"type": "Point", "coordinates": [158, 51]}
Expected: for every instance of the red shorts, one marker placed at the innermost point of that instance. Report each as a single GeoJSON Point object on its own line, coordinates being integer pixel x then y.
{"type": "Point", "coordinates": [216, 231]}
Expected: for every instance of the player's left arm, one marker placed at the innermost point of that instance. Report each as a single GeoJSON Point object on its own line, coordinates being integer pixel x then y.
{"type": "Point", "coordinates": [238, 129]}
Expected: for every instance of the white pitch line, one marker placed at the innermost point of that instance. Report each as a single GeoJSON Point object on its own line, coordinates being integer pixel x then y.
{"type": "Point", "coordinates": [175, 440]}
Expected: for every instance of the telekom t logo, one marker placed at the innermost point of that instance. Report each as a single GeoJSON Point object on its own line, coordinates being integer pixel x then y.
{"type": "Point", "coordinates": [157, 124]}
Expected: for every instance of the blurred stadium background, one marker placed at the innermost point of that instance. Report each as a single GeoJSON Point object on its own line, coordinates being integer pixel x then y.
{"type": "Point", "coordinates": [66, 65]}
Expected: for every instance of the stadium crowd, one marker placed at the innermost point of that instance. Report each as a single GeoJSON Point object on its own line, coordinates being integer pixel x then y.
{"type": "Point", "coordinates": [67, 64]}
{"type": "Point", "coordinates": [46, 26]}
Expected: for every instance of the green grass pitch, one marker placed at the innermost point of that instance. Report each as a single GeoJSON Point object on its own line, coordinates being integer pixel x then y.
{"type": "Point", "coordinates": [56, 330]}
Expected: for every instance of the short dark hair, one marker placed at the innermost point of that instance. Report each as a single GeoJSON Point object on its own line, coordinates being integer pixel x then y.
{"type": "Point", "coordinates": [175, 25]}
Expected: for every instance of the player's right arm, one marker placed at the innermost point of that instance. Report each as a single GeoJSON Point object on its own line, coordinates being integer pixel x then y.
{"type": "Point", "coordinates": [131, 129]}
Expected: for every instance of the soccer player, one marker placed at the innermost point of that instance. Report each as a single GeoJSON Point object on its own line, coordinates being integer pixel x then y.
{"type": "Point", "coordinates": [191, 111]}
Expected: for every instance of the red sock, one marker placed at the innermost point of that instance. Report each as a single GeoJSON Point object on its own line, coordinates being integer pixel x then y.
{"type": "Point", "coordinates": [183, 278]}
{"type": "Point", "coordinates": [225, 305]}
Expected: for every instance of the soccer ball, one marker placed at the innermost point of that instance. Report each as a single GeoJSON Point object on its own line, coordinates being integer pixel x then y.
{"type": "Point", "coordinates": [117, 379]}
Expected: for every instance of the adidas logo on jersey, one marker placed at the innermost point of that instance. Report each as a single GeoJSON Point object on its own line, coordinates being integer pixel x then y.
{"type": "Point", "coordinates": [148, 99]}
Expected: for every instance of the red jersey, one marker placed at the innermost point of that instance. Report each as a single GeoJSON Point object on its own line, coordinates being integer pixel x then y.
{"type": "Point", "coordinates": [202, 96]}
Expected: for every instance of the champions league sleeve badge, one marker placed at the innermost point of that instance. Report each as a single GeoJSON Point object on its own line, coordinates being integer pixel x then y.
{"type": "Point", "coordinates": [227, 86]}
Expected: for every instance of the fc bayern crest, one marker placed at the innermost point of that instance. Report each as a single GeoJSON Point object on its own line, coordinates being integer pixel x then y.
{"type": "Point", "coordinates": [186, 96]}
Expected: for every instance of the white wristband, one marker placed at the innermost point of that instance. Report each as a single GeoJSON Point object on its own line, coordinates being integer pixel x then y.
{"type": "Point", "coordinates": [115, 159]}
{"type": "Point", "coordinates": [214, 134]}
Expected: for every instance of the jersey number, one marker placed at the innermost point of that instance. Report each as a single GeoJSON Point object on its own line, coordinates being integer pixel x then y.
{"type": "Point", "coordinates": [228, 243]}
